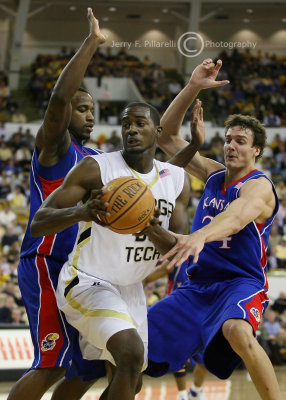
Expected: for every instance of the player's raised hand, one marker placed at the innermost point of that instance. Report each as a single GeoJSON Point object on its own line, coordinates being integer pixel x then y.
{"type": "Point", "coordinates": [204, 75]}
{"type": "Point", "coordinates": [198, 130]}
{"type": "Point", "coordinates": [94, 27]}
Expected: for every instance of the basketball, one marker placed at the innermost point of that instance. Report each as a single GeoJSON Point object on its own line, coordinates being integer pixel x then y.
{"type": "Point", "coordinates": [131, 205]}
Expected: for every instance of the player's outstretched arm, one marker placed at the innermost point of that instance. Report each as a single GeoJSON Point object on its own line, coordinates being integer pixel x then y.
{"type": "Point", "coordinates": [58, 211]}
{"type": "Point", "coordinates": [53, 132]}
{"type": "Point", "coordinates": [255, 203]}
{"type": "Point", "coordinates": [203, 77]}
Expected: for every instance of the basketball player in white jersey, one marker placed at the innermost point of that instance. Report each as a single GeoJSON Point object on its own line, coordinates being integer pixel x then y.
{"type": "Point", "coordinates": [100, 289]}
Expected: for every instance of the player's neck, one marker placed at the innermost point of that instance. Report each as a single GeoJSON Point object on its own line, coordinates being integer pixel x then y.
{"type": "Point", "coordinates": [233, 174]}
{"type": "Point", "coordinates": [140, 162]}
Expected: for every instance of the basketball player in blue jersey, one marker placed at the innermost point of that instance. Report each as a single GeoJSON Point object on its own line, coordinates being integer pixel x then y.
{"type": "Point", "coordinates": [219, 308]}
{"type": "Point", "coordinates": [68, 122]}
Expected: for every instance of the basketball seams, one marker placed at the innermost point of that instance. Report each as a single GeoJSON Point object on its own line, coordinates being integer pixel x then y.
{"type": "Point", "coordinates": [139, 223]}
{"type": "Point", "coordinates": [130, 207]}
{"type": "Point", "coordinates": [114, 193]}
{"type": "Point", "coordinates": [134, 201]}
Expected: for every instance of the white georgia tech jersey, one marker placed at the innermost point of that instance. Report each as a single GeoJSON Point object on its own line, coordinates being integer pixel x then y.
{"type": "Point", "coordinates": [125, 259]}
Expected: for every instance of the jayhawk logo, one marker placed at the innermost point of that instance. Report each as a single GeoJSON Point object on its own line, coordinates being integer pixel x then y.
{"type": "Point", "coordinates": [255, 313]}
{"type": "Point", "coordinates": [49, 342]}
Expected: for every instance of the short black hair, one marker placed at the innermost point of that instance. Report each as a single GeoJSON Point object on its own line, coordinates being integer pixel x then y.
{"type": "Point", "coordinates": [82, 89]}
{"type": "Point", "coordinates": [252, 123]}
{"type": "Point", "coordinates": [155, 116]}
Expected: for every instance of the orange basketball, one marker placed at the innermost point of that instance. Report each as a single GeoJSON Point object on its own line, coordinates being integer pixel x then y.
{"type": "Point", "coordinates": [131, 205]}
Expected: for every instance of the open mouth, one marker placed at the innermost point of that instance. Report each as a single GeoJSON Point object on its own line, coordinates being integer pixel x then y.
{"type": "Point", "coordinates": [133, 142]}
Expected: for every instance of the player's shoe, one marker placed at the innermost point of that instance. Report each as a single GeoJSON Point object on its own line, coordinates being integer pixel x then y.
{"type": "Point", "coordinates": [182, 396]}
{"type": "Point", "coordinates": [196, 395]}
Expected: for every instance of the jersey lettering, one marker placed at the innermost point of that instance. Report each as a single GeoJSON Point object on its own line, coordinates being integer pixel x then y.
{"type": "Point", "coordinates": [218, 204]}
{"type": "Point", "coordinates": [224, 240]}
{"type": "Point", "coordinates": [137, 254]}
{"type": "Point", "coordinates": [165, 207]}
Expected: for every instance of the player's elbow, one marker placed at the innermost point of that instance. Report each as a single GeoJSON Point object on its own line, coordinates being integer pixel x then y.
{"type": "Point", "coordinates": [59, 96]}
{"type": "Point", "coordinates": [36, 227]}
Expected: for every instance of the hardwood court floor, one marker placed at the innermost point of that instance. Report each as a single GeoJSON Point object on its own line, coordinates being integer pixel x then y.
{"type": "Point", "coordinates": [237, 387]}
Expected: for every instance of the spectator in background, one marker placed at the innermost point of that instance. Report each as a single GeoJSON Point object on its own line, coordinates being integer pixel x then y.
{"type": "Point", "coordinates": [16, 317]}
{"type": "Point", "coordinates": [281, 189]}
{"type": "Point", "coordinates": [23, 155]}
{"type": "Point", "coordinates": [271, 119]}
{"type": "Point", "coordinates": [4, 134]}
{"type": "Point", "coordinates": [5, 152]}
{"type": "Point", "coordinates": [280, 253]}
{"type": "Point", "coordinates": [273, 331]}
{"type": "Point", "coordinates": [8, 239]}
{"type": "Point", "coordinates": [281, 214]}
{"type": "Point", "coordinates": [4, 277]}
{"type": "Point", "coordinates": [28, 139]}
{"type": "Point", "coordinates": [115, 140]}
{"type": "Point", "coordinates": [7, 216]}
{"type": "Point", "coordinates": [6, 310]}
{"type": "Point", "coordinates": [18, 117]}
{"type": "Point", "coordinates": [17, 200]}
{"type": "Point", "coordinates": [279, 304]}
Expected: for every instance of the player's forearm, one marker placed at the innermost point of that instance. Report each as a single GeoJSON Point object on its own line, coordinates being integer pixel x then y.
{"type": "Point", "coordinates": [223, 225]}
{"type": "Point", "coordinates": [183, 157]}
{"type": "Point", "coordinates": [172, 118]}
{"type": "Point", "coordinates": [48, 221]}
{"type": "Point", "coordinates": [161, 238]}
{"type": "Point", "coordinates": [72, 75]}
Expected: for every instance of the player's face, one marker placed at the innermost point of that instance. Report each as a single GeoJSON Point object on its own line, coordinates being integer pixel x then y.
{"type": "Point", "coordinates": [82, 120]}
{"type": "Point", "coordinates": [138, 130]}
{"type": "Point", "coordinates": [239, 151]}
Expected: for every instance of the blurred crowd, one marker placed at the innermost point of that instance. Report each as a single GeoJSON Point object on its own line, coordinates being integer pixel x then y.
{"type": "Point", "coordinates": [9, 108]}
{"type": "Point", "coordinates": [157, 86]}
{"type": "Point", "coordinates": [257, 87]}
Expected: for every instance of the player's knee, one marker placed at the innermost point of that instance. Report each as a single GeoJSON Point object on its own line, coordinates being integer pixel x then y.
{"type": "Point", "coordinates": [239, 335]}
{"type": "Point", "coordinates": [127, 349]}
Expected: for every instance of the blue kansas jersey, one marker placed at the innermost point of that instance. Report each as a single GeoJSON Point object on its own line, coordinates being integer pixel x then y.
{"type": "Point", "coordinates": [43, 181]}
{"type": "Point", "coordinates": [240, 255]}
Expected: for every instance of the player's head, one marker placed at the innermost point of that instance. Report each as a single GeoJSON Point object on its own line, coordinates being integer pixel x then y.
{"type": "Point", "coordinates": [140, 127]}
{"type": "Point", "coordinates": [82, 119]}
{"type": "Point", "coordinates": [245, 138]}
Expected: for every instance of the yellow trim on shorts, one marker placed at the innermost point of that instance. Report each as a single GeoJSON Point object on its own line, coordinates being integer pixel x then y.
{"type": "Point", "coordinates": [79, 246]}
{"type": "Point", "coordinates": [91, 312]}
{"type": "Point", "coordinates": [99, 312]}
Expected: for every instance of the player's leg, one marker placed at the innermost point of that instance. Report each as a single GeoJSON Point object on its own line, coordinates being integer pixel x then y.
{"type": "Point", "coordinates": [181, 381]}
{"type": "Point", "coordinates": [127, 349]}
{"type": "Point", "coordinates": [200, 374]}
{"type": "Point", "coordinates": [35, 383]}
{"type": "Point", "coordinates": [239, 334]}
{"type": "Point", "coordinates": [50, 334]}
{"type": "Point", "coordinates": [71, 389]}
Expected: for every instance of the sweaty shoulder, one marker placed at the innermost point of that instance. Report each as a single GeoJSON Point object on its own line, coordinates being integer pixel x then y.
{"type": "Point", "coordinates": [261, 192]}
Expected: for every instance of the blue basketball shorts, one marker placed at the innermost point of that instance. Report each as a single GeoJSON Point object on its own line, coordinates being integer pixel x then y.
{"type": "Point", "coordinates": [55, 341]}
{"type": "Point", "coordinates": [189, 321]}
